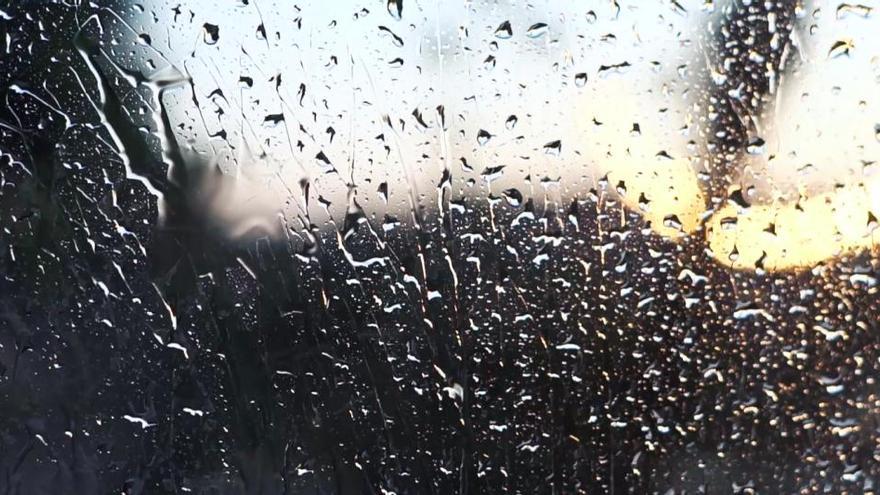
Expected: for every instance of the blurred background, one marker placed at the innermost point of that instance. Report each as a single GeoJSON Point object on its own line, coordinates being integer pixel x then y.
{"type": "Point", "coordinates": [462, 247]}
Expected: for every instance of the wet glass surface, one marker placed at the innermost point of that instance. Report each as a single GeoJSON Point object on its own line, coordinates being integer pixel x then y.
{"type": "Point", "coordinates": [402, 246]}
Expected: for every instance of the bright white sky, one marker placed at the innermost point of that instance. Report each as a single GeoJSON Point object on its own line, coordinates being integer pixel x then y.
{"type": "Point", "coordinates": [820, 131]}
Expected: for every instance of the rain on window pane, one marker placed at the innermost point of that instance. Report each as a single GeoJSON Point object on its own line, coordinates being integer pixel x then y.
{"type": "Point", "coordinates": [405, 247]}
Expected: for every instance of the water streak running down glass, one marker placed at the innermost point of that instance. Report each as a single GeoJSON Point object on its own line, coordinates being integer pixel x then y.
{"type": "Point", "coordinates": [399, 246]}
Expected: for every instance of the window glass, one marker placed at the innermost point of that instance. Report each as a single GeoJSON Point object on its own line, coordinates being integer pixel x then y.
{"type": "Point", "coordinates": [405, 247]}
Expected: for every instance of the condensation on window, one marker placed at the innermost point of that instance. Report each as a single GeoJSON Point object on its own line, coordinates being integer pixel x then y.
{"type": "Point", "coordinates": [405, 247]}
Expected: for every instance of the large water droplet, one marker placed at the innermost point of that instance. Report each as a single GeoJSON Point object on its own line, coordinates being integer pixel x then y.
{"type": "Point", "coordinates": [395, 8]}
{"type": "Point", "coordinates": [504, 31]}
{"type": "Point", "coordinates": [537, 30]}
{"type": "Point", "coordinates": [211, 33]}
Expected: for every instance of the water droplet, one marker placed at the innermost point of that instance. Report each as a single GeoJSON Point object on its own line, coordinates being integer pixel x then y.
{"type": "Point", "coordinates": [491, 173]}
{"type": "Point", "coordinates": [395, 8]}
{"type": "Point", "coordinates": [273, 119]}
{"type": "Point", "coordinates": [211, 33]}
{"type": "Point", "coordinates": [395, 39]}
{"type": "Point", "coordinates": [636, 129]}
{"type": "Point", "coordinates": [553, 148]}
{"type": "Point", "coordinates": [840, 48]}
{"type": "Point", "coordinates": [614, 67]}
{"type": "Point", "coordinates": [537, 30]}
{"type": "Point", "coordinates": [513, 197]}
{"type": "Point", "coordinates": [846, 9]}
{"type": "Point", "coordinates": [483, 137]}
{"type": "Point", "coordinates": [755, 146]}
{"type": "Point", "coordinates": [504, 31]}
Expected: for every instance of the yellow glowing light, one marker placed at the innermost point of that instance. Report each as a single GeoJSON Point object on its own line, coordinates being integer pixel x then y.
{"type": "Point", "coordinates": [796, 235]}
